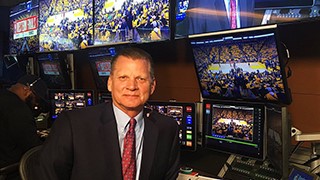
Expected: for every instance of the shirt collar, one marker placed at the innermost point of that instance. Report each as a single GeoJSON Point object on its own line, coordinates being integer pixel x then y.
{"type": "Point", "coordinates": [123, 119]}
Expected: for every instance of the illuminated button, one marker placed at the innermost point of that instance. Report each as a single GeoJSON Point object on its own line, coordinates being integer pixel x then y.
{"type": "Point", "coordinates": [189, 137]}
{"type": "Point", "coordinates": [207, 106]}
{"type": "Point", "coordinates": [189, 132]}
{"type": "Point", "coordinates": [189, 109]}
{"type": "Point", "coordinates": [189, 143]}
{"type": "Point", "coordinates": [189, 119]}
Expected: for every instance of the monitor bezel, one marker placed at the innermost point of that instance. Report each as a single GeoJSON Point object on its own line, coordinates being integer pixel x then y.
{"type": "Point", "coordinates": [65, 71]}
{"type": "Point", "coordinates": [235, 151]}
{"type": "Point", "coordinates": [284, 4]}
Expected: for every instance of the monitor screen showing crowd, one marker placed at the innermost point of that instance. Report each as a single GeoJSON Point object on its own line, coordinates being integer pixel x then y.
{"type": "Point", "coordinates": [242, 65]}
{"type": "Point", "coordinates": [133, 21]}
{"type": "Point", "coordinates": [65, 24]}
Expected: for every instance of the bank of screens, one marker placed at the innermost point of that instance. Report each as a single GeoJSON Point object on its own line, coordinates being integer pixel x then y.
{"type": "Point", "coordinates": [65, 24]}
{"type": "Point", "coordinates": [24, 37]}
{"type": "Point", "coordinates": [185, 115]}
{"type": "Point", "coordinates": [242, 65]}
{"type": "Point", "coordinates": [234, 128]}
{"type": "Point", "coordinates": [66, 100]}
{"type": "Point", "coordinates": [53, 70]}
{"type": "Point", "coordinates": [134, 21]}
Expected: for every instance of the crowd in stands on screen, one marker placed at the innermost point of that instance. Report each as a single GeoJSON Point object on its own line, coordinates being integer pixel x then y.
{"type": "Point", "coordinates": [264, 83]}
{"type": "Point", "coordinates": [66, 34]}
{"type": "Point", "coordinates": [134, 21]}
{"type": "Point", "coordinates": [237, 124]}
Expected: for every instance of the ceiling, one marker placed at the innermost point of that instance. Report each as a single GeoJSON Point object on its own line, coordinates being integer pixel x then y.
{"type": "Point", "coordinates": [10, 3]}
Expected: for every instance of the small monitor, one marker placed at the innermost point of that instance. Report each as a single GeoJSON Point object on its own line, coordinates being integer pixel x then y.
{"type": "Point", "coordinates": [100, 63]}
{"type": "Point", "coordinates": [131, 21]}
{"type": "Point", "coordinates": [24, 36]}
{"type": "Point", "coordinates": [66, 99]}
{"type": "Point", "coordinates": [235, 128]}
{"type": "Point", "coordinates": [53, 70]}
{"type": "Point", "coordinates": [185, 115]}
{"type": "Point", "coordinates": [247, 64]}
{"type": "Point", "coordinates": [10, 60]}
{"type": "Point", "coordinates": [299, 173]}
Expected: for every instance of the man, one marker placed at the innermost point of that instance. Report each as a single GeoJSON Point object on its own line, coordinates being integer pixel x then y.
{"type": "Point", "coordinates": [214, 15]}
{"type": "Point", "coordinates": [18, 131]}
{"type": "Point", "coordinates": [89, 143]}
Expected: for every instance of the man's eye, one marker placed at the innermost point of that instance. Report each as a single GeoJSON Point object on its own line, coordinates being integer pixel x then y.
{"type": "Point", "coordinates": [140, 79]}
{"type": "Point", "coordinates": [122, 77]}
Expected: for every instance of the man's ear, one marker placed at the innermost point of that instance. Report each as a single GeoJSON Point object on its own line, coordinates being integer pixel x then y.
{"type": "Point", "coordinates": [153, 86]}
{"type": "Point", "coordinates": [109, 85]}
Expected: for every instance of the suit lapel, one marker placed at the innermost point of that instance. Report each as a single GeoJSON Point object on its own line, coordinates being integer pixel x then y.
{"type": "Point", "coordinates": [109, 138]}
{"type": "Point", "coordinates": [150, 139]}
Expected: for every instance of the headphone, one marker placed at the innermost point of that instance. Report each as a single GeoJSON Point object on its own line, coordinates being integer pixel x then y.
{"type": "Point", "coordinates": [33, 83]}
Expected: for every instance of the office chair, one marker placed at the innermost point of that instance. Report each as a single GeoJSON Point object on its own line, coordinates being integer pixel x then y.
{"type": "Point", "coordinates": [8, 170]}
{"type": "Point", "coordinates": [29, 163]}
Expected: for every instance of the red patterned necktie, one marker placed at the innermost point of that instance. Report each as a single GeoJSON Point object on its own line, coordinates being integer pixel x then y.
{"type": "Point", "coordinates": [129, 153]}
{"type": "Point", "coordinates": [233, 14]}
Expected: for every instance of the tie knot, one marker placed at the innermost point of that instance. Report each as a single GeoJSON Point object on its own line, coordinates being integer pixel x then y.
{"type": "Point", "coordinates": [133, 122]}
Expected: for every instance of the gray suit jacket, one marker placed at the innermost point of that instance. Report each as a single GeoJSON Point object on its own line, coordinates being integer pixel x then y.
{"type": "Point", "coordinates": [83, 144]}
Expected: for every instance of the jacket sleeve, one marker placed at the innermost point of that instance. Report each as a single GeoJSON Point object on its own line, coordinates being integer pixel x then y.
{"type": "Point", "coordinates": [173, 170]}
{"type": "Point", "coordinates": [56, 156]}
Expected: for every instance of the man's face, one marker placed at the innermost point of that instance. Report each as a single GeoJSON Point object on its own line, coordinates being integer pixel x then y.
{"type": "Point", "coordinates": [131, 84]}
{"type": "Point", "coordinates": [31, 101]}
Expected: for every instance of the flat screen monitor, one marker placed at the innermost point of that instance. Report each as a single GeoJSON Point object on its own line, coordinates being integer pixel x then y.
{"type": "Point", "coordinates": [53, 70]}
{"type": "Point", "coordinates": [247, 64]}
{"type": "Point", "coordinates": [65, 24]}
{"type": "Point", "coordinates": [185, 115]}
{"type": "Point", "coordinates": [66, 100]}
{"type": "Point", "coordinates": [203, 16]}
{"type": "Point", "coordinates": [23, 35]}
{"type": "Point", "coordinates": [100, 62]}
{"type": "Point", "coordinates": [234, 127]}
{"type": "Point", "coordinates": [133, 21]}
{"type": "Point", "coordinates": [299, 173]}
{"type": "Point", "coordinates": [10, 60]}
{"type": "Point", "coordinates": [278, 139]}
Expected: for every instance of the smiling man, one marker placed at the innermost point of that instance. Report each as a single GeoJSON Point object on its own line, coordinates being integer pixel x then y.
{"type": "Point", "coordinates": [115, 140]}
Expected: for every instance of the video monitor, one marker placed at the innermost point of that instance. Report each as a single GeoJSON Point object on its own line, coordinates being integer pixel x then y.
{"type": "Point", "coordinates": [100, 62]}
{"type": "Point", "coordinates": [53, 70]}
{"type": "Point", "coordinates": [10, 60]}
{"type": "Point", "coordinates": [185, 115]}
{"type": "Point", "coordinates": [66, 100]}
{"type": "Point", "coordinates": [203, 16]}
{"type": "Point", "coordinates": [133, 21]}
{"type": "Point", "coordinates": [247, 64]}
{"type": "Point", "coordinates": [65, 24]}
{"type": "Point", "coordinates": [23, 35]}
{"type": "Point", "coordinates": [235, 128]}
{"type": "Point", "coordinates": [278, 139]}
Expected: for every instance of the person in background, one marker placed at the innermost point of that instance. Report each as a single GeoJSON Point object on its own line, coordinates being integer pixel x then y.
{"type": "Point", "coordinates": [92, 143]}
{"type": "Point", "coordinates": [18, 131]}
